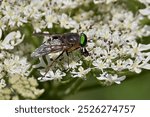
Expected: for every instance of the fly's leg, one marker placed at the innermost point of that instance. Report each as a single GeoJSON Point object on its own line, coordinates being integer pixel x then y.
{"type": "Point", "coordinates": [47, 69]}
{"type": "Point", "coordinates": [68, 58]}
{"type": "Point", "coordinates": [84, 52]}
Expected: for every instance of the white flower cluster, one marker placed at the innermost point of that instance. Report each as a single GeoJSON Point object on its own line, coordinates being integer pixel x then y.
{"type": "Point", "coordinates": [104, 1]}
{"type": "Point", "coordinates": [113, 46]}
{"type": "Point", "coordinates": [11, 63]}
{"type": "Point", "coordinates": [11, 40]}
{"type": "Point", "coordinates": [40, 13]}
{"type": "Point", "coordinates": [112, 31]}
{"type": "Point", "coordinates": [14, 70]}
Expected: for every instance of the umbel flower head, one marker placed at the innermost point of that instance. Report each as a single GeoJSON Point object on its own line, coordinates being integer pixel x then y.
{"type": "Point", "coordinates": [112, 44]}
{"type": "Point", "coordinates": [14, 68]}
{"type": "Point", "coordinates": [115, 44]}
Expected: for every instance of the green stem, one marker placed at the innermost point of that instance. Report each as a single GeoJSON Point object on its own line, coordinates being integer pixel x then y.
{"type": "Point", "coordinates": [74, 87]}
{"type": "Point", "coordinates": [92, 87]}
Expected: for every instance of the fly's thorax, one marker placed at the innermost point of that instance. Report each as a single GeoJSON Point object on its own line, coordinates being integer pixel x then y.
{"type": "Point", "coordinates": [55, 40]}
{"type": "Point", "coordinates": [71, 38]}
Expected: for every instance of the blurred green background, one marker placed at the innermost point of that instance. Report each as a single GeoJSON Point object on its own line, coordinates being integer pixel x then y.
{"type": "Point", "coordinates": [135, 87]}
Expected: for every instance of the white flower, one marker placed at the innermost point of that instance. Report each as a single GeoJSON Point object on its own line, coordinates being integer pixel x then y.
{"type": "Point", "coordinates": [97, 51]}
{"type": "Point", "coordinates": [67, 22]}
{"type": "Point", "coordinates": [145, 11]}
{"type": "Point", "coordinates": [105, 32]}
{"type": "Point", "coordinates": [98, 1]}
{"type": "Point", "coordinates": [74, 64]}
{"type": "Point", "coordinates": [2, 55]}
{"type": "Point", "coordinates": [81, 72]}
{"type": "Point", "coordinates": [50, 18]}
{"type": "Point", "coordinates": [143, 47]}
{"type": "Point", "coordinates": [26, 87]}
{"type": "Point", "coordinates": [144, 1]}
{"type": "Point", "coordinates": [2, 83]}
{"type": "Point", "coordinates": [104, 1]}
{"type": "Point", "coordinates": [38, 25]}
{"type": "Point", "coordinates": [2, 23]}
{"type": "Point", "coordinates": [11, 40]}
{"type": "Point", "coordinates": [118, 66]}
{"type": "Point", "coordinates": [111, 78]}
{"type": "Point", "coordinates": [83, 16]}
{"type": "Point", "coordinates": [145, 31]}
{"type": "Point", "coordinates": [51, 75]}
{"type": "Point", "coordinates": [145, 64]}
{"type": "Point", "coordinates": [2, 72]}
{"type": "Point", "coordinates": [17, 65]}
{"type": "Point", "coordinates": [138, 64]}
{"type": "Point", "coordinates": [61, 4]}
{"type": "Point", "coordinates": [137, 49]}
{"type": "Point", "coordinates": [0, 33]}
{"type": "Point", "coordinates": [98, 63]}
{"type": "Point", "coordinates": [84, 25]}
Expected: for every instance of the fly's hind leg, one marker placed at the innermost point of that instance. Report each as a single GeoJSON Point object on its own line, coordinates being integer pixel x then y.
{"type": "Point", "coordinates": [68, 58]}
{"type": "Point", "coordinates": [47, 68]}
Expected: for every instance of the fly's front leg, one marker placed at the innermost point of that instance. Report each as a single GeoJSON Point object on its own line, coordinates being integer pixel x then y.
{"type": "Point", "coordinates": [84, 52]}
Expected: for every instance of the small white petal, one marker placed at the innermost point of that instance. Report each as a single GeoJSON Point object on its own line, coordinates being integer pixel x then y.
{"type": "Point", "coordinates": [137, 70]}
{"type": "Point", "coordinates": [146, 66]}
{"type": "Point", "coordinates": [12, 40]}
{"type": "Point", "coordinates": [111, 78]}
{"type": "Point", "coordinates": [145, 11]}
{"type": "Point", "coordinates": [143, 47]}
{"type": "Point", "coordinates": [0, 33]}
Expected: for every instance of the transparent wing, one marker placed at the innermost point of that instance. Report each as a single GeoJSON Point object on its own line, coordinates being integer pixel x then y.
{"type": "Point", "coordinates": [49, 46]}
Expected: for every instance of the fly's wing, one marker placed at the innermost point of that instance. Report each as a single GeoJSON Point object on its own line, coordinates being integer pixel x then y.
{"type": "Point", "coordinates": [44, 49]}
{"type": "Point", "coordinates": [52, 45]}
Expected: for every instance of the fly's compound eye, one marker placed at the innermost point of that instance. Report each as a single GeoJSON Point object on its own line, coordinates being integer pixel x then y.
{"type": "Point", "coordinates": [83, 40]}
